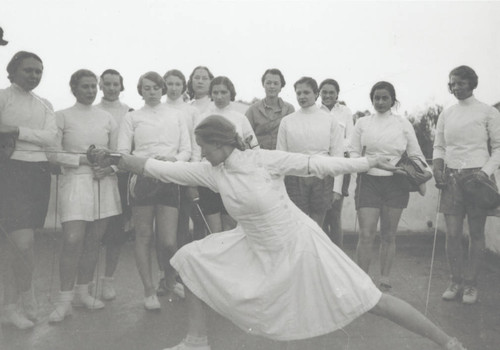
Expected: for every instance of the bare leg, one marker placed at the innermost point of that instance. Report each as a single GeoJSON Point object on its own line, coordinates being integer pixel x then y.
{"type": "Point", "coordinates": [73, 236]}
{"type": "Point", "coordinates": [476, 249]}
{"type": "Point", "coordinates": [90, 253]}
{"type": "Point", "coordinates": [318, 217]}
{"type": "Point", "coordinates": [405, 315]}
{"type": "Point", "coordinates": [143, 217]}
{"type": "Point", "coordinates": [166, 227]}
{"type": "Point", "coordinates": [228, 223]}
{"type": "Point", "coordinates": [21, 262]}
{"type": "Point", "coordinates": [214, 222]}
{"type": "Point", "coordinates": [368, 219]}
{"type": "Point", "coordinates": [454, 250]}
{"type": "Point", "coordinates": [112, 257]}
{"type": "Point", "coordinates": [389, 220]}
{"type": "Point", "coordinates": [197, 319]}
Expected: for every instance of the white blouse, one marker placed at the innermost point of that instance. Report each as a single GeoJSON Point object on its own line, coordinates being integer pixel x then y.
{"type": "Point", "coordinates": [36, 121]}
{"type": "Point", "coordinates": [384, 134]}
{"type": "Point", "coordinates": [155, 131]}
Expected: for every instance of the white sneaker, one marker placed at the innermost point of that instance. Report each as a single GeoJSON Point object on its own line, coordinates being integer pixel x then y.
{"type": "Point", "coordinates": [12, 316]}
{"type": "Point", "coordinates": [108, 291]}
{"type": "Point", "coordinates": [62, 310]}
{"type": "Point", "coordinates": [152, 303]}
{"type": "Point", "coordinates": [183, 346]}
{"type": "Point", "coordinates": [452, 291]}
{"type": "Point", "coordinates": [470, 295]}
{"type": "Point", "coordinates": [84, 299]}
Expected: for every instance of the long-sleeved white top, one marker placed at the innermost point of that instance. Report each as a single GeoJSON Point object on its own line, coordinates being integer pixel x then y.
{"type": "Point", "coordinates": [36, 121]}
{"type": "Point", "coordinates": [79, 127]}
{"type": "Point", "coordinates": [155, 131]}
{"type": "Point", "coordinates": [117, 109]}
{"type": "Point", "coordinates": [312, 131]}
{"type": "Point", "coordinates": [384, 134]}
{"type": "Point", "coordinates": [343, 115]}
{"type": "Point", "coordinates": [192, 116]}
{"type": "Point", "coordinates": [239, 120]}
{"type": "Point", "coordinates": [462, 134]}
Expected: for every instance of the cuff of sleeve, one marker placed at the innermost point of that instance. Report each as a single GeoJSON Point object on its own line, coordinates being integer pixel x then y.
{"type": "Point", "coordinates": [21, 133]}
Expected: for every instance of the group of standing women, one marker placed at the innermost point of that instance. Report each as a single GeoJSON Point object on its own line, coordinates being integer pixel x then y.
{"type": "Point", "coordinates": [92, 195]}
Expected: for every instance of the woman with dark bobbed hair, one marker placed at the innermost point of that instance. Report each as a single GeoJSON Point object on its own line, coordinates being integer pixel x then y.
{"type": "Point", "coordinates": [159, 132]}
{"type": "Point", "coordinates": [197, 88]}
{"type": "Point", "coordinates": [277, 274]}
{"type": "Point", "coordinates": [381, 195]}
{"type": "Point", "coordinates": [88, 194]}
{"type": "Point", "coordinates": [467, 144]}
{"type": "Point", "coordinates": [27, 121]}
{"type": "Point", "coordinates": [222, 93]}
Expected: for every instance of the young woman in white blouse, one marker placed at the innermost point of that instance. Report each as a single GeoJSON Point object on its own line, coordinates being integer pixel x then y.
{"type": "Point", "coordinates": [160, 132]}
{"type": "Point", "coordinates": [467, 144]}
{"type": "Point", "coordinates": [381, 195]}
{"type": "Point", "coordinates": [24, 183]}
{"type": "Point", "coordinates": [88, 195]}
{"type": "Point", "coordinates": [197, 88]}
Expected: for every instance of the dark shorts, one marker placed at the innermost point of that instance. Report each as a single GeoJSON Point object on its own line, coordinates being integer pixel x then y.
{"type": "Point", "coordinates": [378, 191]}
{"type": "Point", "coordinates": [24, 194]}
{"type": "Point", "coordinates": [310, 194]}
{"type": "Point", "coordinates": [210, 202]}
{"type": "Point", "coordinates": [453, 201]}
{"type": "Point", "coordinates": [115, 232]}
{"type": "Point", "coordinates": [167, 195]}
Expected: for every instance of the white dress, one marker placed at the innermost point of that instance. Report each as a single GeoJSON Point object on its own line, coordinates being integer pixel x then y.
{"type": "Point", "coordinates": [276, 274]}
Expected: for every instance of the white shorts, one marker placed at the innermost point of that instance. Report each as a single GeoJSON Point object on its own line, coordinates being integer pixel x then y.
{"type": "Point", "coordinates": [81, 197]}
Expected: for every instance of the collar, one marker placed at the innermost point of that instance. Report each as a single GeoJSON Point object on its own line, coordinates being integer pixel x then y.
{"type": "Point", "coordinates": [111, 104]}
{"type": "Point", "coordinates": [177, 102]}
{"type": "Point", "coordinates": [468, 101]}
{"type": "Point", "coordinates": [383, 115]}
{"type": "Point", "coordinates": [19, 89]}
{"type": "Point", "coordinates": [82, 106]}
{"type": "Point", "coordinates": [310, 109]}
{"type": "Point", "coordinates": [280, 103]}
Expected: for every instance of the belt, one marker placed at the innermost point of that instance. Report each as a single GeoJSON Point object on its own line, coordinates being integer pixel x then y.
{"type": "Point", "coordinates": [462, 171]}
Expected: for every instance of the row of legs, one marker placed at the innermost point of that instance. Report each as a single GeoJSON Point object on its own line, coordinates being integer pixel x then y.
{"type": "Point", "coordinates": [464, 254]}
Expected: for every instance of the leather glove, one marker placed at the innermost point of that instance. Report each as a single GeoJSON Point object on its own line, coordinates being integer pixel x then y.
{"type": "Point", "coordinates": [438, 170]}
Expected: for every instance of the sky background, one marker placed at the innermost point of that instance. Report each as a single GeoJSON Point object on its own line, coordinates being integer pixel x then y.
{"type": "Point", "coordinates": [413, 45]}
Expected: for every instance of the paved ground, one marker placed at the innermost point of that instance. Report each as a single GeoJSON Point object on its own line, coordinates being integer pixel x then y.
{"type": "Point", "coordinates": [125, 325]}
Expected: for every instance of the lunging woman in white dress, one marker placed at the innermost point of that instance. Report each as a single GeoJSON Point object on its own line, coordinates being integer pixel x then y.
{"type": "Point", "coordinates": [276, 274]}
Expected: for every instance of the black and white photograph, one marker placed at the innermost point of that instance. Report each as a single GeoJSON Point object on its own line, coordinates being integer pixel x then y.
{"type": "Point", "coordinates": [249, 175]}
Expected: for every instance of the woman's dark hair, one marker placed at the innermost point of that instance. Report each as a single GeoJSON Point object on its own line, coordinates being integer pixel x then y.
{"type": "Point", "coordinates": [274, 71]}
{"type": "Point", "coordinates": [113, 72]}
{"type": "Point", "coordinates": [190, 90]}
{"type": "Point", "coordinates": [216, 129]}
{"type": "Point", "coordinates": [384, 85]}
{"type": "Point", "coordinates": [16, 60]}
{"type": "Point", "coordinates": [79, 74]}
{"type": "Point", "coordinates": [221, 80]}
{"type": "Point", "coordinates": [156, 78]}
{"type": "Point", "coordinates": [176, 73]}
{"type": "Point", "coordinates": [330, 82]}
{"type": "Point", "coordinates": [309, 81]}
{"type": "Point", "coordinates": [467, 73]}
